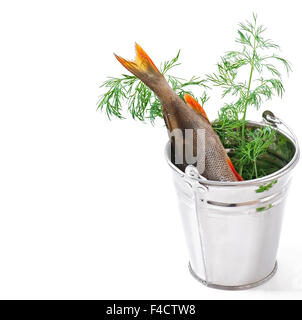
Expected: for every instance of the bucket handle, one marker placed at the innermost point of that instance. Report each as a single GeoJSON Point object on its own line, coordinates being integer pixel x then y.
{"type": "Point", "coordinates": [271, 119]}
{"type": "Point", "coordinates": [191, 178]}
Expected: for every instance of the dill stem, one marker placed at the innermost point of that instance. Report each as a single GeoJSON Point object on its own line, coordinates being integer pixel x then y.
{"type": "Point", "coordinates": [247, 97]}
{"type": "Point", "coordinates": [255, 168]}
{"type": "Point", "coordinates": [248, 89]}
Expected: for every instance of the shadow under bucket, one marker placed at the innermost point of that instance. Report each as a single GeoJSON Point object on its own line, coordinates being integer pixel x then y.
{"type": "Point", "coordinates": [232, 229]}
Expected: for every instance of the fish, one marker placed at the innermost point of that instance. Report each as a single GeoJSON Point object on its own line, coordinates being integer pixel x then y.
{"type": "Point", "coordinates": [180, 116]}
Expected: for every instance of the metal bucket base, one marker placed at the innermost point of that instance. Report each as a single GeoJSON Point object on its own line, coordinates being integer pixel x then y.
{"type": "Point", "coordinates": [243, 287]}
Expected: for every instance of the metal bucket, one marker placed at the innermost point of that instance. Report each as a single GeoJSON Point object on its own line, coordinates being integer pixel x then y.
{"type": "Point", "coordinates": [232, 229]}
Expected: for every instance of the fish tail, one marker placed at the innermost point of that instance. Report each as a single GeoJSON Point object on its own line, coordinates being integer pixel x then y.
{"type": "Point", "coordinates": [142, 67]}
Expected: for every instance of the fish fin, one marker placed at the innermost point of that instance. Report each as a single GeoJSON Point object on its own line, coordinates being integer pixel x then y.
{"type": "Point", "coordinates": [238, 176]}
{"type": "Point", "coordinates": [142, 66]}
{"type": "Point", "coordinates": [195, 105]}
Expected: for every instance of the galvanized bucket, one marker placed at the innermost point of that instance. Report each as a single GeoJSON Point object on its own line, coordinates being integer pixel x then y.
{"type": "Point", "coordinates": [232, 229]}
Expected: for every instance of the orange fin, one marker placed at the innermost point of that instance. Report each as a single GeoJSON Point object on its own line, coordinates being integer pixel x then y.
{"type": "Point", "coordinates": [238, 176]}
{"type": "Point", "coordinates": [195, 105]}
{"type": "Point", "coordinates": [141, 66]}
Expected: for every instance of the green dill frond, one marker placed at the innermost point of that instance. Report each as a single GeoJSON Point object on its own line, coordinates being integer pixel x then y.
{"type": "Point", "coordinates": [111, 100]}
{"type": "Point", "coordinates": [264, 81]}
{"type": "Point", "coordinates": [250, 92]}
{"type": "Point", "coordinates": [228, 125]}
{"type": "Point", "coordinates": [257, 144]}
{"type": "Point", "coordinates": [170, 64]}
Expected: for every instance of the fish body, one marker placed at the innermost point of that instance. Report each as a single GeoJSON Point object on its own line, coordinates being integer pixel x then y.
{"type": "Point", "coordinates": [184, 115]}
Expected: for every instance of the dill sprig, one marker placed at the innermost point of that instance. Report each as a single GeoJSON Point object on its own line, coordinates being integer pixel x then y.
{"type": "Point", "coordinates": [255, 146]}
{"type": "Point", "coordinates": [264, 80]}
{"type": "Point", "coordinates": [142, 103]}
{"type": "Point", "coordinates": [254, 90]}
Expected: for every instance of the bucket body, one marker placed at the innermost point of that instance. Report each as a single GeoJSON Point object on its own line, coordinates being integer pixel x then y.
{"type": "Point", "coordinates": [232, 229]}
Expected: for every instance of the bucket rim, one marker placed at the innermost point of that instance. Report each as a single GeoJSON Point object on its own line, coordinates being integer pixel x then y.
{"type": "Point", "coordinates": [273, 176]}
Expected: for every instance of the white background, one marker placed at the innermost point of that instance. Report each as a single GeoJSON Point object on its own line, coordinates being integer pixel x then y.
{"type": "Point", "coordinates": [87, 207]}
